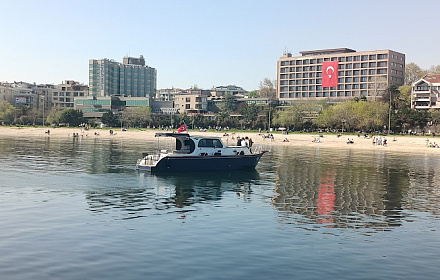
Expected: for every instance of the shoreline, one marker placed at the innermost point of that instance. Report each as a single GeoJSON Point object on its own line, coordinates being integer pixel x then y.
{"type": "Point", "coordinates": [403, 144]}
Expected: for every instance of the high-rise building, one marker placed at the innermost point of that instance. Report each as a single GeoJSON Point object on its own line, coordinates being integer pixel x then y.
{"type": "Point", "coordinates": [131, 78]}
{"type": "Point", "coordinates": [353, 74]}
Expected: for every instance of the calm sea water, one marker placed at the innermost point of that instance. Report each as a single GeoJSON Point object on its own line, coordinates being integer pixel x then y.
{"type": "Point", "coordinates": [76, 209]}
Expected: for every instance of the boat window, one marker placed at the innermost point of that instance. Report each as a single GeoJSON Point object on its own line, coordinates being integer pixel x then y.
{"type": "Point", "coordinates": [186, 145]}
{"type": "Point", "coordinates": [178, 144]}
{"type": "Point", "coordinates": [191, 144]}
{"type": "Point", "coordinates": [212, 143]}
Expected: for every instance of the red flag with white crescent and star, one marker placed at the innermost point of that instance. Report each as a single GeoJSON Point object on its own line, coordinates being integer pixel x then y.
{"type": "Point", "coordinates": [330, 74]}
{"type": "Point", "coordinates": [182, 128]}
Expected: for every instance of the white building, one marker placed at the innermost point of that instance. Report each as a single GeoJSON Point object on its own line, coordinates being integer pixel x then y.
{"type": "Point", "coordinates": [425, 93]}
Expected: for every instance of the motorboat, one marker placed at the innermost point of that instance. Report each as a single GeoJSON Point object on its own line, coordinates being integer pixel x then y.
{"type": "Point", "coordinates": [200, 153]}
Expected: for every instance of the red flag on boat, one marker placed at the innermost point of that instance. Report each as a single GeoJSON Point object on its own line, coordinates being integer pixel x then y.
{"type": "Point", "coordinates": [182, 128]}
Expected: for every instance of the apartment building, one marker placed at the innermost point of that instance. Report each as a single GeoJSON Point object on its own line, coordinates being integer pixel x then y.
{"type": "Point", "coordinates": [425, 93]}
{"type": "Point", "coordinates": [35, 96]}
{"type": "Point", "coordinates": [191, 103]}
{"type": "Point", "coordinates": [346, 74]}
{"type": "Point", "coordinates": [67, 91]}
{"type": "Point", "coordinates": [230, 89]}
{"type": "Point", "coordinates": [131, 78]}
{"type": "Point", "coordinates": [167, 94]}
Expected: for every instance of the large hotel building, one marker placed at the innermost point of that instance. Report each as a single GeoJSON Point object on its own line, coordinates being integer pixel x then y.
{"type": "Point", "coordinates": [131, 78]}
{"type": "Point", "coordinates": [357, 74]}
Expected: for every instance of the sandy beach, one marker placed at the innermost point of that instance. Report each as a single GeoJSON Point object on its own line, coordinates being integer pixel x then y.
{"type": "Point", "coordinates": [399, 144]}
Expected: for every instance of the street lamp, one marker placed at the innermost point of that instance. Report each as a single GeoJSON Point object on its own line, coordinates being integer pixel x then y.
{"type": "Point", "coordinates": [43, 110]}
{"type": "Point", "coordinates": [389, 117]}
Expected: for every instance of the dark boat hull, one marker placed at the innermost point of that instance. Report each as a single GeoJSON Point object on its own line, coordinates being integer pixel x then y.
{"type": "Point", "coordinates": [204, 163]}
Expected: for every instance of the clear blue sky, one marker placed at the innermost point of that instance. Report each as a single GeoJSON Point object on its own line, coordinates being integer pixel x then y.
{"type": "Point", "coordinates": [205, 43]}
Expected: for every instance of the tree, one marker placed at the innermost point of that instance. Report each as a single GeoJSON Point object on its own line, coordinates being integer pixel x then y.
{"type": "Point", "coordinates": [55, 115]}
{"type": "Point", "coordinates": [72, 117]}
{"type": "Point", "coordinates": [253, 94]}
{"type": "Point", "coordinates": [7, 112]}
{"type": "Point", "coordinates": [435, 118]}
{"type": "Point", "coordinates": [434, 70]}
{"type": "Point", "coordinates": [222, 118]}
{"type": "Point", "coordinates": [408, 118]}
{"type": "Point", "coordinates": [413, 72]}
{"type": "Point", "coordinates": [229, 103]}
{"type": "Point", "coordinates": [369, 115]}
{"type": "Point", "coordinates": [250, 112]}
{"type": "Point", "coordinates": [405, 95]}
{"type": "Point", "coordinates": [267, 89]}
{"type": "Point", "coordinates": [140, 115]}
{"type": "Point", "coordinates": [33, 114]}
{"type": "Point", "coordinates": [391, 93]}
{"type": "Point", "coordinates": [296, 114]}
{"type": "Point", "coordinates": [108, 118]}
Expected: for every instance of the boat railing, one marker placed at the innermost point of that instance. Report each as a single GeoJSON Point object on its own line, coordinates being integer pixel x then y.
{"type": "Point", "coordinates": [149, 160]}
{"type": "Point", "coordinates": [257, 149]}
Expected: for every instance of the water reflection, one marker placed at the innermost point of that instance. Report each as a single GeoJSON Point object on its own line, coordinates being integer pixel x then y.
{"type": "Point", "coordinates": [70, 154]}
{"type": "Point", "coordinates": [174, 193]}
{"type": "Point", "coordinates": [350, 189]}
{"type": "Point", "coordinates": [308, 187]}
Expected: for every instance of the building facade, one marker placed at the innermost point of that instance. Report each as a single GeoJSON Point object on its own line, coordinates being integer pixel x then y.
{"type": "Point", "coordinates": [131, 78]}
{"type": "Point", "coordinates": [425, 93]}
{"type": "Point", "coordinates": [96, 106]}
{"type": "Point", "coordinates": [66, 92]}
{"type": "Point", "coordinates": [357, 74]}
{"type": "Point", "coordinates": [230, 89]}
{"type": "Point", "coordinates": [35, 96]}
{"type": "Point", "coordinates": [191, 103]}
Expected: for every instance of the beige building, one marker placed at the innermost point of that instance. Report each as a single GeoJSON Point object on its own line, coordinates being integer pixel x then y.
{"type": "Point", "coordinates": [425, 93]}
{"type": "Point", "coordinates": [65, 93]}
{"type": "Point", "coordinates": [29, 94]}
{"type": "Point", "coordinates": [359, 74]}
{"type": "Point", "coordinates": [191, 103]}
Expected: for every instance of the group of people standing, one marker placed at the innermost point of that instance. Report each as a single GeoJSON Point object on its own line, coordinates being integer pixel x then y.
{"type": "Point", "coordinates": [380, 140]}
{"type": "Point", "coordinates": [244, 142]}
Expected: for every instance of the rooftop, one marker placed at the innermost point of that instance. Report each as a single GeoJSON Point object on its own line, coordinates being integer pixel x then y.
{"type": "Point", "coordinates": [326, 51]}
{"type": "Point", "coordinates": [432, 78]}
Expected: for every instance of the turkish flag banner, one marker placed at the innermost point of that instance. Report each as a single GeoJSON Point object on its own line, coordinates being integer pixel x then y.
{"type": "Point", "coordinates": [330, 74]}
{"type": "Point", "coordinates": [182, 128]}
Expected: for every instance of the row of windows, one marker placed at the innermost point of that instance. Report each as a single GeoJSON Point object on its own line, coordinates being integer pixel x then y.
{"type": "Point", "coordinates": [425, 88]}
{"type": "Point", "coordinates": [62, 99]}
{"type": "Point", "coordinates": [397, 65]}
{"type": "Point", "coordinates": [68, 94]}
{"type": "Point", "coordinates": [340, 73]}
{"type": "Point", "coordinates": [340, 80]}
{"type": "Point", "coordinates": [340, 66]}
{"type": "Point", "coordinates": [340, 87]}
{"type": "Point", "coordinates": [340, 59]}
{"type": "Point", "coordinates": [324, 94]}
{"type": "Point", "coordinates": [393, 56]}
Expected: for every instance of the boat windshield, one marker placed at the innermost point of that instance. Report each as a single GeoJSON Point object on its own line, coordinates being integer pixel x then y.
{"type": "Point", "coordinates": [211, 143]}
